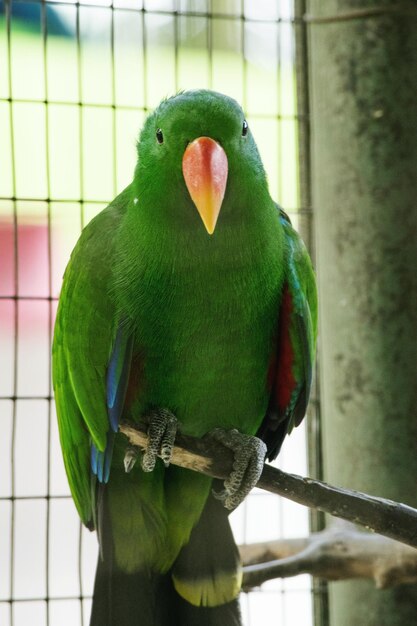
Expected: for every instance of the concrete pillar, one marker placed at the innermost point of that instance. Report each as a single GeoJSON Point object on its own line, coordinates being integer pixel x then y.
{"type": "Point", "coordinates": [363, 70]}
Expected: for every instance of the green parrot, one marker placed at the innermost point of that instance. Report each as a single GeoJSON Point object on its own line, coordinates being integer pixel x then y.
{"type": "Point", "coordinates": [190, 303]}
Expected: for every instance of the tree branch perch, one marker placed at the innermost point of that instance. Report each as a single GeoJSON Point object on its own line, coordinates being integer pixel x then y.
{"type": "Point", "coordinates": [391, 519]}
{"type": "Point", "coordinates": [337, 553]}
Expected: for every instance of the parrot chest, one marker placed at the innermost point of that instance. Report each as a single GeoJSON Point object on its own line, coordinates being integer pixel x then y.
{"type": "Point", "coordinates": [204, 338]}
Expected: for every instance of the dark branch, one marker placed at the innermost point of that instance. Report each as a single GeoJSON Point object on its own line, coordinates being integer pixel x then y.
{"type": "Point", "coordinates": [392, 519]}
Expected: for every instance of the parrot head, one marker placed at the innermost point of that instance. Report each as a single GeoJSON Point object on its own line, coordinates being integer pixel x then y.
{"type": "Point", "coordinates": [200, 147]}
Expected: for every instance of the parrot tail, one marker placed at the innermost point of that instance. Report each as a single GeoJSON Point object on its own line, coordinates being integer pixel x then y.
{"type": "Point", "coordinates": [207, 573]}
{"type": "Point", "coordinates": [144, 599]}
{"type": "Point", "coordinates": [138, 599]}
{"type": "Point", "coordinates": [200, 590]}
{"type": "Point", "coordinates": [223, 615]}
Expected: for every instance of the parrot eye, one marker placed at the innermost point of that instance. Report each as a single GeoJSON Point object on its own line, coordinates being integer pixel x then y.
{"type": "Point", "coordinates": [159, 136]}
{"type": "Point", "coordinates": [244, 128]}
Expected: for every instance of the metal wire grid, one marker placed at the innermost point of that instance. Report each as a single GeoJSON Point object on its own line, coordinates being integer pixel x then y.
{"type": "Point", "coordinates": [42, 606]}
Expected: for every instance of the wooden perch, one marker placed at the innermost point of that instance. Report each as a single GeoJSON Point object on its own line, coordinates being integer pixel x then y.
{"type": "Point", "coordinates": [392, 519]}
{"type": "Point", "coordinates": [337, 553]}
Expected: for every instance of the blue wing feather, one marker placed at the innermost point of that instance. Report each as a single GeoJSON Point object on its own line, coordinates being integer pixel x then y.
{"type": "Point", "coordinates": [108, 454]}
{"type": "Point", "coordinates": [118, 375]}
{"type": "Point", "coordinates": [94, 459]}
{"type": "Point", "coordinates": [118, 372]}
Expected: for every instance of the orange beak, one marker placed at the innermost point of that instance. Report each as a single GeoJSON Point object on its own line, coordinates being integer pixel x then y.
{"type": "Point", "coordinates": [204, 166]}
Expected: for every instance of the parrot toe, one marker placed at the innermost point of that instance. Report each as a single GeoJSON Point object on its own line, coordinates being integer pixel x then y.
{"type": "Point", "coordinates": [161, 438]}
{"type": "Point", "coordinates": [131, 456]}
{"type": "Point", "coordinates": [250, 453]}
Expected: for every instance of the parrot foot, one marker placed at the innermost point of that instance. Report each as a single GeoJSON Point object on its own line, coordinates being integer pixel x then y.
{"type": "Point", "coordinates": [250, 453]}
{"type": "Point", "coordinates": [161, 438]}
{"type": "Point", "coordinates": [131, 456]}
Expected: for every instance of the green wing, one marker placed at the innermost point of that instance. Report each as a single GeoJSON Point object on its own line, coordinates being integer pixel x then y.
{"type": "Point", "coordinates": [293, 358]}
{"type": "Point", "coordinates": [84, 333]}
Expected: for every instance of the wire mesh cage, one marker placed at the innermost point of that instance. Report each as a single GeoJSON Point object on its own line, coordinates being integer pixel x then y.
{"type": "Point", "coordinates": [76, 81]}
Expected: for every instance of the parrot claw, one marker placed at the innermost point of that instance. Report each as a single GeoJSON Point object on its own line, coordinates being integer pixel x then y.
{"type": "Point", "coordinates": [131, 456]}
{"type": "Point", "coordinates": [250, 453]}
{"type": "Point", "coordinates": [161, 437]}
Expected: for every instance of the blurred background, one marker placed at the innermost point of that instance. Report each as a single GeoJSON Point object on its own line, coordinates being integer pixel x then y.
{"type": "Point", "coordinates": [76, 82]}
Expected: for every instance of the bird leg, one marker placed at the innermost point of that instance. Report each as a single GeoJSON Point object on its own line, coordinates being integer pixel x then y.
{"type": "Point", "coordinates": [162, 430]}
{"type": "Point", "coordinates": [250, 453]}
{"type": "Point", "coordinates": [130, 458]}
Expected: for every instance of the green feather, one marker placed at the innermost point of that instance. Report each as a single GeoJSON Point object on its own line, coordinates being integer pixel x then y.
{"type": "Point", "coordinates": [83, 337]}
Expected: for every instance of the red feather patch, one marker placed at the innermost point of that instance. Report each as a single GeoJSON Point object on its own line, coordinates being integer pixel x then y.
{"type": "Point", "coordinates": [285, 382]}
{"type": "Point", "coordinates": [135, 380]}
